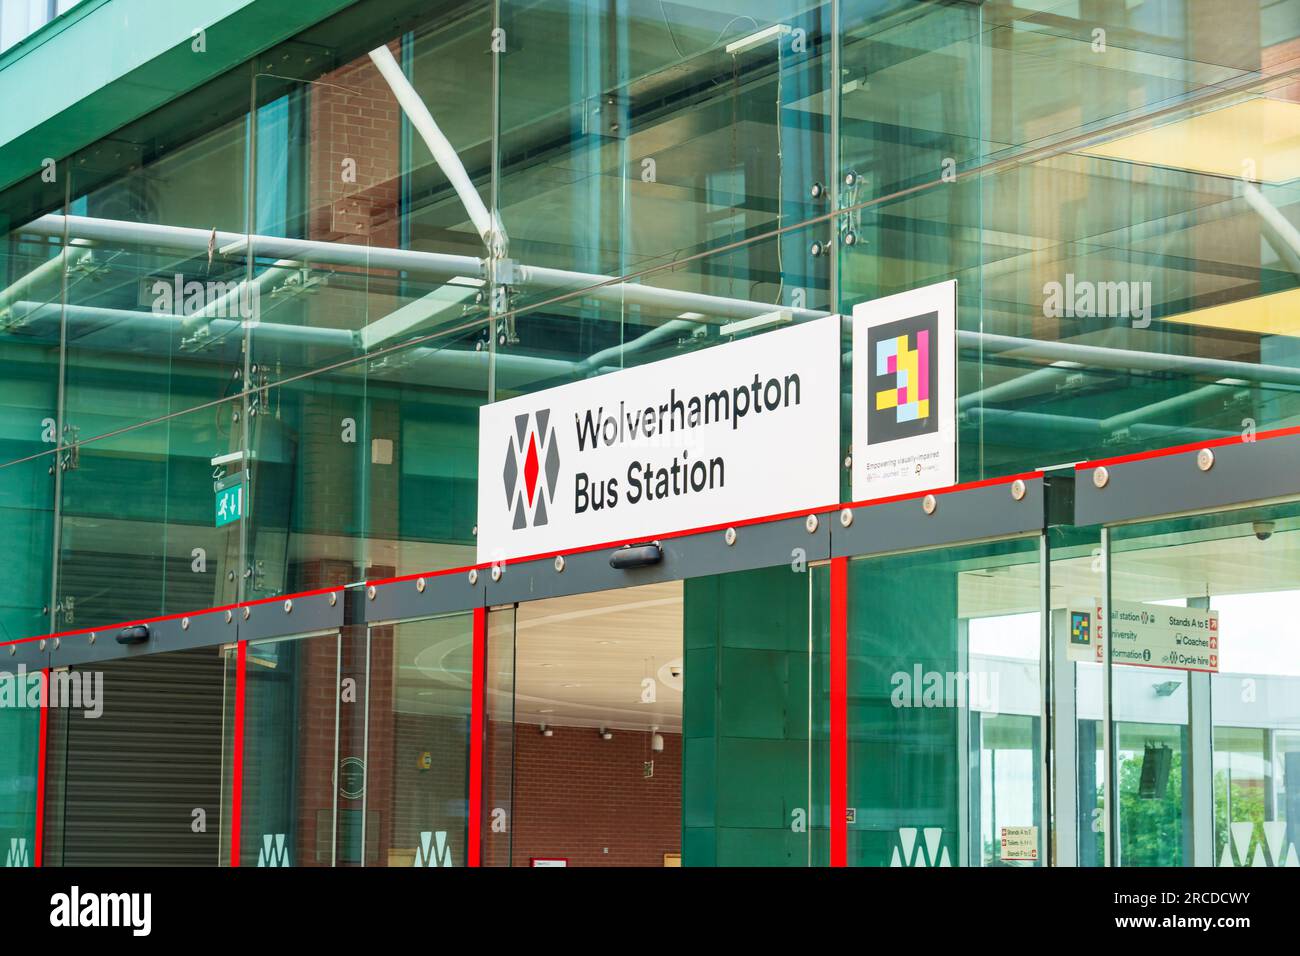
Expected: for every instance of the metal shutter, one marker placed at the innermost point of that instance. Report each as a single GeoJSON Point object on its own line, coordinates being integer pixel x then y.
{"type": "Point", "coordinates": [134, 776]}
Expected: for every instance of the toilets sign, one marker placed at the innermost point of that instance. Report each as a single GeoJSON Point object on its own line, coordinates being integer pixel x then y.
{"type": "Point", "coordinates": [742, 430]}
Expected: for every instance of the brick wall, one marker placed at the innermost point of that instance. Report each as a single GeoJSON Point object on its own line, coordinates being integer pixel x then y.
{"type": "Point", "coordinates": [576, 795]}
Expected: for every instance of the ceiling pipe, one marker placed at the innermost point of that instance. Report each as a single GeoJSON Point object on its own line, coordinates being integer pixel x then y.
{"type": "Point", "coordinates": [302, 252]}
{"type": "Point", "coordinates": [488, 226]}
{"type": "Point", "coordinates": [1280, 233]}
{"type": "Point", "coordinates": [49, 269]}
{"type": "Point", "coordinates": [428, 265]}
{"type": "Point", "coordinates": [1097, 356]}
{"type": "Point", "coordinates": [1174, 403]}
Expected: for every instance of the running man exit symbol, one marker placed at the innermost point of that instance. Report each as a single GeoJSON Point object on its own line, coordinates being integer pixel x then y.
{"type": "Point", "coordinates": [229, 504]}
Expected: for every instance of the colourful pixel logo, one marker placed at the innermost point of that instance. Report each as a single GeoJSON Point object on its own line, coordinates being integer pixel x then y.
{"type": "Point", "coordinates": [1080, 628]}
{"type": "Point", "coordinates": [903, 380]}
{"type": "Point", "coordinates": [911, 368]}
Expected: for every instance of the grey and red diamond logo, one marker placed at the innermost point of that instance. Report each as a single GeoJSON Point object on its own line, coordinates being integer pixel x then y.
{"type": "Point", "coordinates": [531, 470]}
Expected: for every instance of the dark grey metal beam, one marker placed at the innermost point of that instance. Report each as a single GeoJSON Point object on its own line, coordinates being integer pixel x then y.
{"type": "Point", "coordinates": [1198, 479]}
{"type": "Point", "coordinates": [421, 596]}
{"type": "Point", "coordinates": [280, 617]}
{"type": "Point", "coordinates": [201, 629]}
{"type": "Point", "coordinates": [290, 615]}
{"type": "Point", "coordinates": [782, 542]}
{"type": "Point", "coordinates": [31, 655]}
{"type": "Point", "coordinates": [961, 514]}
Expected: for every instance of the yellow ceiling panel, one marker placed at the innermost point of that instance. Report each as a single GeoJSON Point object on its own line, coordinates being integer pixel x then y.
{"type": "Point", "coordinates": [1275, 314]}
{"type": "Point", "coordinates": [1259, 137]}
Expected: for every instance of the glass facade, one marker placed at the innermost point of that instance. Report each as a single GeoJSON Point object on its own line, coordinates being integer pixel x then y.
{"type": "Point", "coordinates": [245, 340]}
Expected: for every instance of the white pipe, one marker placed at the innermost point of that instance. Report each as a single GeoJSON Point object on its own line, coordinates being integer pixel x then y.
{"type": "Point", "coordinates": [421, 264]}
{"type": "Point", "coordinates": [233, 301]}
{"type": "Point", "coordinates": [1097, 356]}
{"type": "Point", "coordinates": [443, 153]}
{"type": "Point", "coordinates": [1270, 214]}
{"type": "Point", "coordinates": [1136, 416]}
{"type": "Point", "coordinates": [195, 242]}
{"type": "Point", "coordinates": [712, 306]}
{"type": "Point", "coordinates": [48, 269]}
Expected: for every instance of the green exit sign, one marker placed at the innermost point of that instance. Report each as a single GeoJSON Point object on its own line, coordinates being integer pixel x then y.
{"type": "Point", "coordinates": [229, 506]}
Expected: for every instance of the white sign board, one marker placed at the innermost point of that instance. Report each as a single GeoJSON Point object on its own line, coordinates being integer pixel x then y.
{"type": "Point", "coordinates": [905, 392]}
{"type": "Point", "coordinates": [1146, 635]}
{"type": "Point", "coordinates": [743, 430]}
{"type": "Point", "coordinates": [1019, 843]}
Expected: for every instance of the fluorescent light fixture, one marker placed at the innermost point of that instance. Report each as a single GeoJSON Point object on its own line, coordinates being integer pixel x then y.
{"type": "Point", "coordinates": [759, 38]}
{"type": "Point", "coordinates": [440, 301]}
{"type": "Point", "coordinates": [692, 316]}
{"type": "Point", "coordinates": [779, 317]}
{"type": "Point", "coordinates": [1223, 142]}
{"type": "Point", "coordinates": [227, 459]}
{"type": "Point", "coordinates": [467, 281]}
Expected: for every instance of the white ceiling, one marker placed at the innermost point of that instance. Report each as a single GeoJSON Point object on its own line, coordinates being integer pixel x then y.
{"type": "Point", "coordinates": [580, 661]}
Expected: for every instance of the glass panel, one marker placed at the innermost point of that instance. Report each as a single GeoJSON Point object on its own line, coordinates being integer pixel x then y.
{"type": "Point", "coordinates": [294, 780]}
{"type": "Point", "coordinates": [143, 530]}
{"type": "Point", "coordinates": [598, 696]}
{"type": "Point", "coordinates": [1206, 739]}
{"type": "Point", "coordinates": [499, 750]}
{"type": "Point", "coordinates": [945, 731]}
{"type": "Point", "coordinates": [669, 310]}
{"type": "Point", "coordinates": [1078, 578]}
{"type": "Point", "coordinates": [358, 825]}
{"type": "Point", "coordinates": [651, 132]}
{"type": "Point", "coordinates": [417, 793]}
{"type": "Point", "coordinates": [360, 478]}
{"type": "Point", "coordinates": [27, 534]}
{"type": "Point", "coordinates": [31, 271]}
{"type": "Point", "coordinates": [755, 771]}
{"type": "Point", "coordinates": [153, 310]}
{"type": "Point", "coordinates": [1125, 282]}
{"type": "Point", "coordinates": [20, 727]}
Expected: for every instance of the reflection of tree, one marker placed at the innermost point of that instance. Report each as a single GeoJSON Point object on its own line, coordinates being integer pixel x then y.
{"type": "Point", "coordinates": [1151, 829]}
{"type": "Point", "coordinates": [1247, 803]}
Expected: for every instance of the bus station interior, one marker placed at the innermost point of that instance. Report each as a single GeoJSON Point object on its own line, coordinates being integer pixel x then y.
{"type": "Point", "coordinates": [625, 183]}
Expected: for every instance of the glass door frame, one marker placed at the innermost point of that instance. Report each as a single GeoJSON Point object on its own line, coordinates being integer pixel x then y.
{"type": "Point", "coordinates": [982, 511]}
{"type": "Point", "coordinates": [1223, 474]}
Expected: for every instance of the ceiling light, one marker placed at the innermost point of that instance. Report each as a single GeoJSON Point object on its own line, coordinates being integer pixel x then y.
{"type": "Point", "coordinates": [605, 734]}
{"type": "Point", "coordinates": [758, 39]}
{"type": "Point", "coordinates": [444, 302]}
{"type": "Point", "coordinates": [546, 731]}
{"type": "Point", "coordinates": [779, 317]}
{"type": "Point", "coordinates": [467, 281]}
{"type": "Point", "coordinates": [693, 316]}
